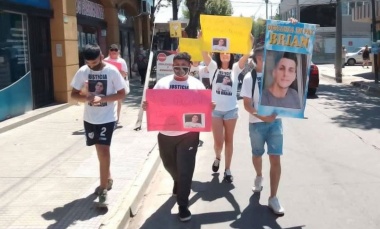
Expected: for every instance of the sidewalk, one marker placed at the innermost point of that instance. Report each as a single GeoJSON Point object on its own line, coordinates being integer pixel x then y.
{"type": "Point", "coordinates": [48, 175]}
{"type": "Point", "coordinates": [357, 76]}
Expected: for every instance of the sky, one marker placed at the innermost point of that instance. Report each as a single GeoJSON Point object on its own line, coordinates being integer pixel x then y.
{"type": "Point", "coordinates": [246, 8]}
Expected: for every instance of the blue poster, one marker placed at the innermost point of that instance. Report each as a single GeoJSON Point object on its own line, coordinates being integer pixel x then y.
{"type": "Point", "coordinates": [287, 56]}
{"type": "Point", "coordinates": [45, 4]}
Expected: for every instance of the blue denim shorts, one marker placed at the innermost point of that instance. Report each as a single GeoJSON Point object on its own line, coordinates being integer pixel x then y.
{"type": "Point", "coordinates": [226, 115]}
{"type": "Point", "coordinates": [269, 133]}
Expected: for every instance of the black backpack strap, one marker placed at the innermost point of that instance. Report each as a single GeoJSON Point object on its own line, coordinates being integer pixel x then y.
{"type": "Point", "coordinates": [254, 77]}
{"type": "Point", "coordinates": [213, 77]}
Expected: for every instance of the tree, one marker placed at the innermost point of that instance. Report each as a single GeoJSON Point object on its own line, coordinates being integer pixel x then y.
{"type": "Point", "coordinates": [258, 30]}
{"type": "Point", "coordinates": [218, 7]}
{"type": "Point", "coordinates": [210, 7]}
{"type": "Point", "coordinates": [157, 4]}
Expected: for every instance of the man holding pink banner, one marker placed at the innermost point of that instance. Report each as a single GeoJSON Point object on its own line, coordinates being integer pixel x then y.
{"type": "Point", "coordinates": [178, 147]}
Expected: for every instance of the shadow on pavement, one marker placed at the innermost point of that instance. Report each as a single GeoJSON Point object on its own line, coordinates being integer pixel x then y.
{"type": "Point", "coordinates": [358, 109]}
{"type": "Point", "coordinates": [367, 75]}
{"type": "Point", "coordinates": [258, 216]}
{"type": "Point", "coordinates": [79, 132]}
{"type": "Point", "coordinates": [78, 210]}
{"type": "Point", "coordinates": [213, 190]}
{"type": "Point", "coordinates": [209, 191]}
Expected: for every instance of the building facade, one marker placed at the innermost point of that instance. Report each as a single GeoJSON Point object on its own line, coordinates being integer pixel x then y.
{"type": "Point", "coordinates": [363, 14]}
{"type": "Point", "coordinates": [41, 43]}
{"type": "Point", "coordinates": [354, 34]}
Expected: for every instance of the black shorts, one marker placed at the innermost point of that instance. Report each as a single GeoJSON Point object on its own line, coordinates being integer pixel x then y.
{"type": "Point", "coordinates": [99, 133]}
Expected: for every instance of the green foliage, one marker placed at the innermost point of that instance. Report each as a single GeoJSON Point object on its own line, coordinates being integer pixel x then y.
{"type": "Point", "coordinates": [219, 7]}
{"type": "Point", "coordinates": [213, 7]}
{"type": "Point", "coordinates": [258, 30]}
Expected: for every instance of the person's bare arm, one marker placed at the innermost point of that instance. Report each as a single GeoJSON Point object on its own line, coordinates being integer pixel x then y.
{"type": "Point", "coordinates": [251, 110]}
{"type": "Point", "coordinates": [245, 57]}
{"type": "Point", "coordinates": [76, 95]}
{"type": "Point", "coordinates": [110, 98]}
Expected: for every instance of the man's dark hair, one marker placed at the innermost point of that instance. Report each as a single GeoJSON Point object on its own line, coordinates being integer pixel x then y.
{"type": "Point", "coordinates": [91, 51]}
{"type": "Point", "coordinates": [287, 55]}
{"type": "Point", "coordinates": [219, 62]}
{"type": "Point", "coordinates": [182, 56]}
{"type": "Point", "coordinates": [259, 50]}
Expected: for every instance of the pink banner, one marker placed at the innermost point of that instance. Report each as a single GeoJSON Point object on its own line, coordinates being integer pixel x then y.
{"type": "Point", "coordinates": [179, 110]}
{"type": "Point", "coordinates": [114, 63]}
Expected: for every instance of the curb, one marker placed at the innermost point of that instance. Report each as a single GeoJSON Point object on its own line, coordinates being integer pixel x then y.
{"type": "Point", "coordinates": [31, 116]}
{"type": "Point", "coordinates": [366, 88]}
{"type": "Point", "coordinates": [359, 84]}
{"type": "Point", "coordinates": [132, 198]}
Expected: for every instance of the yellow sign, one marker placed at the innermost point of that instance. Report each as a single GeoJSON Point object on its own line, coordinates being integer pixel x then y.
{"type": "Point", "coordinates": [191, 46]}
{"type": "Point", "coordinates": [226, 34]}
{"type": "Point", "coordinates": [175, 29]}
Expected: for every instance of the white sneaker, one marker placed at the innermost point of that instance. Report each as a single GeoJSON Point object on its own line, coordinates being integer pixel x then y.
{"type": "Point", "coordinates": [258, 185]}
{"type": "Point", "coordinates": [275, 205]}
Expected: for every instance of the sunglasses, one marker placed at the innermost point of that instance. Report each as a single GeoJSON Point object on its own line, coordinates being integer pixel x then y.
{"type": "Point", "coordinates": [114, 50]}
{"type": "Point", "coordinates": [181, 70]}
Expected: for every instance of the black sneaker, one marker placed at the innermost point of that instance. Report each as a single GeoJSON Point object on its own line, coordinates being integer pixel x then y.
{"type": "Point", "coordinates": [109, 187]}
{"type": "Point", "coordinates": [228, 178]}
{"type": "Point", "coordinates": [103, 199]}
{"type": "Point", "coordinates": [215, 165]}
{"type": "Point", "coordinates": [175, 188]}
{"type": "Point", "coordinates": [184, 213]}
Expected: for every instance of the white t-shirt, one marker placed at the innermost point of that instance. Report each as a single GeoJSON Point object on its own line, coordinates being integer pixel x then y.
{"type": "Point", "coordinates": [246, 91]}
{"type": "Point", "coordinates": [203, 73]}
{"type": "Point", "coordinates": [119, 60]}
{"type": "Point", "coordinates": [199, 72]}
{"type": "Point", "coordinates": [168, 82]}
{"type": "Point", "coordinates": [105, 82]}
{"type": "Point", "coordinates": [224, 101]}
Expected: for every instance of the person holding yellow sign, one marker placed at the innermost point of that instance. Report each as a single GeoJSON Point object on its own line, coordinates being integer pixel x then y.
{"type": "Point", "coordinates": [223, 73]}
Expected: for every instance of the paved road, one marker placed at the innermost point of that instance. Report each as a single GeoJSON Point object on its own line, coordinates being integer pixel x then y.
{"type": "Point", "coordinates": [330, 176]}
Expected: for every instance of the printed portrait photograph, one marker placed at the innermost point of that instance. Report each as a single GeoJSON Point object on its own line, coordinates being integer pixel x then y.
{"type": "Point", "coordinates": [284, 81]}
{"type": "Point", "coordinates": [196, 120]}
{"type": "Point", "coordinates": [98, 88]}
{"type": "Point", "coordinates": [220, 44]}
{"type": "Point", "coordinates": [223, 83]}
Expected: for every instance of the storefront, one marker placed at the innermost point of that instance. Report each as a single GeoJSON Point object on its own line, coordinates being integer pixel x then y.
{"type": "Point", "coordinates": [25, 56]}
{"type": "Point", "coordinates": [91, 25]}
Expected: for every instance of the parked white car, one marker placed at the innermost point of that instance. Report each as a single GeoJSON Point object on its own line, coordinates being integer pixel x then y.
{"type": "Point", "coordinates": [355, 57]}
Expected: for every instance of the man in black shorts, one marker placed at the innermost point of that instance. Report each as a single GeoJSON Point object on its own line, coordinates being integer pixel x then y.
{"type": "Point", "coordinates": [99, 110]}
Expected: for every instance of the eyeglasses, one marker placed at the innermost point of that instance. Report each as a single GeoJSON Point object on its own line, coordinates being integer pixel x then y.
{"type": "Point", "coordinates": [181, 70]}
{"type": "Point", "coordinates": [114, 50]}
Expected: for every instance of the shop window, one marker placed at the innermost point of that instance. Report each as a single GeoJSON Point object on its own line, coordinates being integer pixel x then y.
{"type": "Point", "coordinates": [14, 50]}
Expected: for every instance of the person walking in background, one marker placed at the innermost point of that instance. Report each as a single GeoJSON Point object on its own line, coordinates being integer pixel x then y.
{"type": "Point", "coordinates": [223, 71]}
{"type": "Point", "coordinates": [365, 56]}
{"type": "Point", "coordinates": [142, 63]}
{"type": "Point", "coordinates": [344, 52]}
{"type": "Point", "coordinates": [99, 110]}
{"type": "Point", "coordinates": [114, 57]}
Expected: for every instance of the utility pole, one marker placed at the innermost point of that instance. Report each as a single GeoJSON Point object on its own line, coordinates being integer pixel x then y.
{"type": "Point", "coordinates": [374, 40]}
{"type": "Point", "coordinates": [175, 17]}
{"type": "Point", "coordinates": [266, 9]}
{"type": "Point", "coordinates": [338, 44]}
{"type": "Point", "coordinates": [298, 11]}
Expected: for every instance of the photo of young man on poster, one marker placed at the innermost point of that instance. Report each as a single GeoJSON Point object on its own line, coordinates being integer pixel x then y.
{"type": "Point", "coordinates": [281, 71]}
